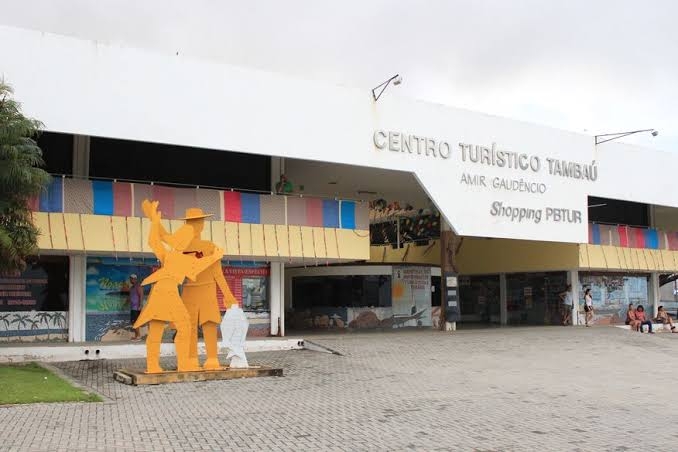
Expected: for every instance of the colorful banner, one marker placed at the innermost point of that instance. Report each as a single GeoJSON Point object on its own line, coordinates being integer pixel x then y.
{"type": "Point", "coordinates": [102, 197]}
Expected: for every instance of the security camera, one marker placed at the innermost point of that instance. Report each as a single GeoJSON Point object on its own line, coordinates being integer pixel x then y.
{"type": "Point", "coordinates": [655, 133]}
{"type": "Point", "coordinates": [397, 80]}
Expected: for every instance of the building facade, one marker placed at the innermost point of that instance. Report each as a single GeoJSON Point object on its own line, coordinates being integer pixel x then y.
{"type": "Point", "coordinates": [521, 195]}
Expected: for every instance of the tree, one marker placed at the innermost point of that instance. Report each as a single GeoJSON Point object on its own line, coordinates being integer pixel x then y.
{"type": "Point", "coordinates": [21, 178]}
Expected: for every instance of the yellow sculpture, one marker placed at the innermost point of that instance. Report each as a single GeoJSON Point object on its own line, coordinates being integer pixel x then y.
{"type": "Point", "coordinates": [200, 295]}
{"type": "Point", "coordinates": [164, 303]}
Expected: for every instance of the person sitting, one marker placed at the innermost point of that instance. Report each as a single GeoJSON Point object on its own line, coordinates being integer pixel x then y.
{"type": "Point", "coordinates": [631, 318]}
{"type": "Point", "coordinates": [664, 318]}
{"type": "Point", "coordinates": [640, 316]}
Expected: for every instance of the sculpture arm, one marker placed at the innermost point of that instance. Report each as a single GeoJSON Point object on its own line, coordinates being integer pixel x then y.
{"type": "Point", "coordinates": [200, 265]}
{"type": "Point", "coordinates": [155, 242]}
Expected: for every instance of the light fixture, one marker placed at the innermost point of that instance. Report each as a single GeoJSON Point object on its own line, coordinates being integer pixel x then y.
{"type": "Point", "coordinates": [613, 136]}
{"type": "Point", "coordinates": [597, 205]}
{"type": "Point", "coordinates": [396, 79]}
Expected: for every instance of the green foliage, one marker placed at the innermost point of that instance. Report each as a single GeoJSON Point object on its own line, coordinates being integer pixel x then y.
{"type": "Point", "coordinates": [20, 179]}
{"type": "Point", "coordinates": [31, 383]}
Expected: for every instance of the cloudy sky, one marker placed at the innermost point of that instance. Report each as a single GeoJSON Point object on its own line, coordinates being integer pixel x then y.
{"type": "Point", "coordinates": [595, 66]}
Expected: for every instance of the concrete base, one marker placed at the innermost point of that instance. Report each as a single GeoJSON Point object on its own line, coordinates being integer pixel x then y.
{"type": "Point", "coordinates": [139, 377]}
{"type": "Point", "coordinates": [74, 351]}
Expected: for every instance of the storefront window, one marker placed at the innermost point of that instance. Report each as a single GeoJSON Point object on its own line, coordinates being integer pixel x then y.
{"type": "Point", "coordinates": [533, 298]}
{"type": "Point", "coordinates": [479, 299]}
{"type": "Point", "coordinates": [341, 291]}
{"type": "Point", "coordinates": [341, 301]}
{"type": "Point", "coordinates": [34, 303]}
{"type": "Point", "coordinates": [612, 294]}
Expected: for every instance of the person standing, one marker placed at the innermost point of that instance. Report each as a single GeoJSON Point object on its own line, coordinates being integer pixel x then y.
{"type": "Point", "coordinates": [567, 303]}
{"type": "Point", "coordinates": [136, 301]}
{"type": "Point", "coordinates": [588, 306]}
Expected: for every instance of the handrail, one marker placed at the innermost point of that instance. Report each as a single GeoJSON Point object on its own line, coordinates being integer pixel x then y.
{"type": "Point", "coordinates": [208, 187]}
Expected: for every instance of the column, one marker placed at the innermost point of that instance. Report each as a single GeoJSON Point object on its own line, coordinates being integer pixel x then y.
{"type": "Point", "coordinates": [449, 242]}
{"type": "Point", "coordinates": [503, 299]}
{"type": "Point", "coordinates": [654, 294]}
{"type": "Point", "coordinates": [81, 155]}
{"type": "Point", "coordinates": [277, 299]}
{"type": "Point", "coordinates": [573, 280]}
{"type": "Point", "coordinates": [76, 298]}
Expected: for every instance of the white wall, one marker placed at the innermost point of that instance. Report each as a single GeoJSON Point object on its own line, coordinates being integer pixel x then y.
{"type": "Point", "coordinates": [82, 87]}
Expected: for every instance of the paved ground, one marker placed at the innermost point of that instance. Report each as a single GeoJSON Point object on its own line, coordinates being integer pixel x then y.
{"type": "Point", "coordinates": [500, 389]}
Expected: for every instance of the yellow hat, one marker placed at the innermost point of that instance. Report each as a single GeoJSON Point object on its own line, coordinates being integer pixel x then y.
{"type": "Point", "coordinates": [195, 213]}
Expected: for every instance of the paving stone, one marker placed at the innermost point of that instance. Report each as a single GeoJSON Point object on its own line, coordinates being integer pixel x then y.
{"type": "Point", "coordinates": [513, 389]}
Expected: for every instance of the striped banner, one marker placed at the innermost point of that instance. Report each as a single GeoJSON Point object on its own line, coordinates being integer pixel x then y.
{"type": "Point", "coordinates": [330, 213]}
{"type": "Point", "coordinates": [232, 207]}
{"type": "Point", "coordinates": [251, 210]}
{"type": "Point", "coordinates": [348, 215]}
{"type": "Point", "coordinates": [51, 200]}
{"type": "Point", "coordinates": [122, 199]}
{"type": "Point", "coordinates": [103, 197]}
{"type": "Point", "coordinates": [314, 212]}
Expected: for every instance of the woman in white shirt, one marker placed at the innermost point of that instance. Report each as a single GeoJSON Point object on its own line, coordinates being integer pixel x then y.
{"type": "Point", "coordinates": [588, 306]}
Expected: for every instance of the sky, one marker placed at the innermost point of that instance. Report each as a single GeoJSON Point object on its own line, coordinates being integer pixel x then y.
{"type": "Point", "coordinates": [586, 66]}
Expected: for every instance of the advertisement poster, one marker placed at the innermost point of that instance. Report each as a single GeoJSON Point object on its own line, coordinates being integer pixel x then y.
{"type": "Point", "coordinates": [106, 296]}
{"type": "Point", "coordinates": [411, 296]}
{"type": "Point", "coordinates": [249, 284]}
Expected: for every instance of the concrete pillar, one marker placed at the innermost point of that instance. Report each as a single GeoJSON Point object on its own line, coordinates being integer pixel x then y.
{"type": "Point", "coordinates": [503, 300]}
{"type": "Point", "coordinates": [76, 298]}
{"type": "Point", "coordinates": [81, 144]}
{"type": "Point", "coordinates": [78, 264]}
{"type": "Point", "coordinates": [277, 299]}
{"type": "Point", "coordinates": [654, 294]}
{"type": "Point", "coordinates": [573, 280]}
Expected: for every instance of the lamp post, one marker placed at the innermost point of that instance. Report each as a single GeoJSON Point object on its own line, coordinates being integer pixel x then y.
{"type": "Point", "coordinates": [613, 136]}
{"type": "Point", "coordinates": [396, 79]}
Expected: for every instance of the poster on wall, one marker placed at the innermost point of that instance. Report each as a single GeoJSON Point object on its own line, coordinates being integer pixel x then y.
{"type": "Point", "coordinates": [612, 294]}
{"type": "Point", "coordinates": [411, 296]}
{"type": "Point", "coordinates": [249, 283]}
{"type": "Point", "coordinates": [34, 303]}
{"type": "Point", "coordinates": [106, 296]}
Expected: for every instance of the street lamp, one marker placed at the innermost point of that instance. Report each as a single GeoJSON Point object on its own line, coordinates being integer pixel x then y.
{"type": "Point", "coordinates": [396, 79]}
{"type": "Point", "coordinates": [613, 136]}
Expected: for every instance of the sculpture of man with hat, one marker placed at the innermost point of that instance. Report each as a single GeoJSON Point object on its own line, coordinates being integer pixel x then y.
{"type": "Point", "coordinates": [200, 295]}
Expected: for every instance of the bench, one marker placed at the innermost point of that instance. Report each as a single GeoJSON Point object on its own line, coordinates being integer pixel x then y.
{"type": "Point", "coordinates": [656, 327]}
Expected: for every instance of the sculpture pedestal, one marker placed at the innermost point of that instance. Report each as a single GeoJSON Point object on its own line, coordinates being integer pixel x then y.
{"type": "Point", "coordinates": [139, 377]}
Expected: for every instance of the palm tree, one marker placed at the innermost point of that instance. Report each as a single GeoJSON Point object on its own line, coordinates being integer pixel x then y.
{"type": "Point", "coordinates": [20, 320]}
{"type": "Point", "coordinates": [20, 179]}
{"type": "Point", "coordinates": [44, 317]}
{"type": "Point", "coordinates": [4, 318]}
{"type": "Point", "coordinates": [59, 319]}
